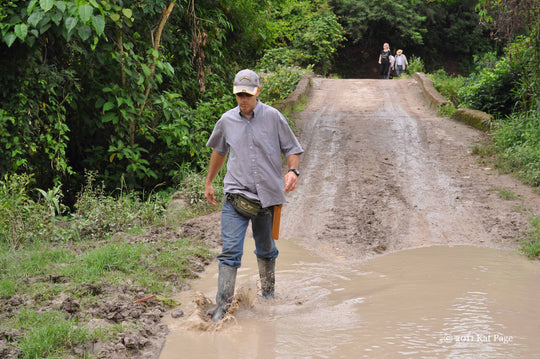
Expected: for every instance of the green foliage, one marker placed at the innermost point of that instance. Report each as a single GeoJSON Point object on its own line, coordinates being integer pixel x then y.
{"type": "Point", "coordinates": [531, 244]}
{"type": "Point", "coordinates": [508, 18]}
{"type": "Point", "coordinates": [370, 22]}
{"type": "Point", "coordinates": [99, 214]}
{"type": "Point", "coordinates": [509, 84]}
{"type": "Point", "coordinates": [33, 121]}
{"type": "Point", "coordinates": [52, 200]}
{"type": "Point", "coordinates": [416, 64]}
{"type": "Point", "coordinates": [277, 85]}
{"type": "Point", "coordinates": [490, 90]}
{"type": "Point", "coordinates": [83, 87]}
{"type": "Point", "coordinates": [192, 189]}
{"type": "Point", "coordinates": [443, 33]}
{"type": "Point", "coordinates": [48, 334]}
{"type": "Point", "coordinates": [22, 220]}
{"type": "Point", "coordinates": [180, 147]}
{"type": "Point", "coordinates": [524, 57]}
{"type": "Point", "coordinates": [25, 220]}
{"type": "Point", "coordinates": [279, 57]}
{"type": "Point", "coordinates": [517, 140]}
{"type": "Point", "coordinates": [67, 18]}
{"type": "Point", "coordinates": [447, 85]}
{"type": "Point", "coordinates": [309, 34]}
{"type": "Point", "coordinates": [247, 28]}
{"type": "Point", "coordinates": [455, 35]}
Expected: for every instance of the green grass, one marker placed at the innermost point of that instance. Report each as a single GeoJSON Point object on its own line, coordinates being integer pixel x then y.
{"type": "Point", "coordinates": [515, 149]}
{"type": "Point", "coordinates": [99, 248]}
{"type": "Point", "coordinates": [531, 244]}
{"type": "Point", "coordinates": [447, 85]}
{"type": "Point", "coordinates": [43, 274]}
{"type": "Point", "coordinates": [506, 194]}
{"type": "Point", "coordinates": [48, 334]}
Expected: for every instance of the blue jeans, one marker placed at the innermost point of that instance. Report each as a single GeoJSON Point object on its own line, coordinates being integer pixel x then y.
{"type": "Point", "coordinates": [233, 232]}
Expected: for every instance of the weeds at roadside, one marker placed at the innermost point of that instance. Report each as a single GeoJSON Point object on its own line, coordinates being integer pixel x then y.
{"type": "Point", "coordinates": [95, 256]}
{"type": "Point", "coordinates": [289, 113]}
{"type": "Point", "coordinates": [447, 109]}
{"type": "Point", "coordinates": [531, 244]}
{"type": "Point", "coordinates": [48, 334]}
{"type": "Point", "coordinates": [506, 194]}
{"type": "Point", "coordinates": [485, 154]}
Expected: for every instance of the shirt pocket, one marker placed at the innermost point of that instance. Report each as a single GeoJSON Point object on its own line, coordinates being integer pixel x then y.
{"type": "Point", "coordinates": [268, 143]}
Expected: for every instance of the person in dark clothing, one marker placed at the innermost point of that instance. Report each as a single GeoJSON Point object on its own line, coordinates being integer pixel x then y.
{"type": "Point", "coordinates": [384, 61]}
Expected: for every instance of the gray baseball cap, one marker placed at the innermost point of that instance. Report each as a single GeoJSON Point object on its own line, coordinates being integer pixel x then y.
{"type": "Point", "coordinates": [246, 81]}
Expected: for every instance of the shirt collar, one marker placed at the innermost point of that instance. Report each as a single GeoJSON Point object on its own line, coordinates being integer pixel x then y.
{"type": "Point", "coordinates": [254, 112]}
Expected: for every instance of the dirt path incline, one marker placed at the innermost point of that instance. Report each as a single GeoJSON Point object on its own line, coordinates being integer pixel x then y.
{"type": "Point", "coordinates": [382, 172]}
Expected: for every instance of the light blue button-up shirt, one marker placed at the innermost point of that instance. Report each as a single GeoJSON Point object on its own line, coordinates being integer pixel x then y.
{"type": "Point", "coordinates": [255, 146]}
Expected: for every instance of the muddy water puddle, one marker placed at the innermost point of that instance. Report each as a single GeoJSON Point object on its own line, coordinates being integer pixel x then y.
{"type": "Point", "coordinates": [433, 302]}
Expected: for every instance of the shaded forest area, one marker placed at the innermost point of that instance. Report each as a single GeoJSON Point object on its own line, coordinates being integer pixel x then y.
{"type": "Point", "coordinates": [445, 34]}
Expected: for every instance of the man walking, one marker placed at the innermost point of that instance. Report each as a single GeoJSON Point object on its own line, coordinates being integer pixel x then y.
{"type": "Point", "coordinates": [254, 136]}
{"type": "Point", "coordinates": [401, 62]}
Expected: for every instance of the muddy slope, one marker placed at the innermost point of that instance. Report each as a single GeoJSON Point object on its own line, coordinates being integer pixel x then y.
{"type": "Point", "coordinates": [382, 172]}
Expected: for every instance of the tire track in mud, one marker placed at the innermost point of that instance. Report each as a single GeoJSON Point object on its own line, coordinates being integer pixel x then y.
{"type": "Point", "coordinates": [433, 202]}
{"type": "Point", "coordinates": [347, 193]}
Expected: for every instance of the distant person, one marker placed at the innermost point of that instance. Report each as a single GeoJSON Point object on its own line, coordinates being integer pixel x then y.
{"type": "Point", "coordinates": [384, 61]}
{"type": "Point", "coordinates": [401, 64]}
{"type": "Point", "coordinates": [253, 136]}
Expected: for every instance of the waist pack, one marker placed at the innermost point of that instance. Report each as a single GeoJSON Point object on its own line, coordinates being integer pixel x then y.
{"type": "Point", "coordinates": [247, 207]}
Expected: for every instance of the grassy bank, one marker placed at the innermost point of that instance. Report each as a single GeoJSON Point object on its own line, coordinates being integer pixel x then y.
{"type": "Point", "coordinates": [71, 286]}
{"type": "Point", "coordinates": [514, 147]}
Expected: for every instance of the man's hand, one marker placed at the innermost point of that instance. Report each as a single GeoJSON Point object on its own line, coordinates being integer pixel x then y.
{"type": "Point", "coordinates": [291, 181]}
{"type": "Point", "coordinates": [216, 162]}
{"type": "Point", "coordinates": [209, 194]}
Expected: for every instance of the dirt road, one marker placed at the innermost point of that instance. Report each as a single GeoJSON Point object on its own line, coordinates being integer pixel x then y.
{"type": "Point", "coordinates": [382, 172]}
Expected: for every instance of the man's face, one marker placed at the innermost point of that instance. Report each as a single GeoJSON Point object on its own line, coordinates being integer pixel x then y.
{"type": "Point", "coordinates": [247, 102]}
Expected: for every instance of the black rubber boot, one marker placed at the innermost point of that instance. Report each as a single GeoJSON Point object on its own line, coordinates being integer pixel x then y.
{"type": "Point", "coordinates": [224, 296]}
{"type": "Point", "coordinates": [268, 278]}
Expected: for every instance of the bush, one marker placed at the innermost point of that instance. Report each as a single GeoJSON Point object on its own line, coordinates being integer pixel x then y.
{"type": "Point", "coordinates": [22, 220]}
{"type": "Point", "coordinates": [416, 64]}
{"type": "Point", "coordinates": [490, 90]}
{"type": "Point", "coordinates": [309, 35]}
{"type": "Point", "coordinates": [447, 85]}
{"type": "Point", "coordinates": [508, 85]}
{"type": "Point", "coordinates": [280, 57]}
{"type": "Point", "coordinates": [98, 215]}
{"type": "Point", "coordinates": [517, 139]}
{"type": "Point", "coordinates": [279, 84]}
{"type": "Point", "coordinates": [531, 245]}
{"type": "Point", "coordinates": [524, 58]}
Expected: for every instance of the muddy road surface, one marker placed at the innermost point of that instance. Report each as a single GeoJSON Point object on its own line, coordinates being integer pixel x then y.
{"type": "Point", "coordinates": [382, 172]}
{"type": "Point", "coordinates": [396, 243]}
